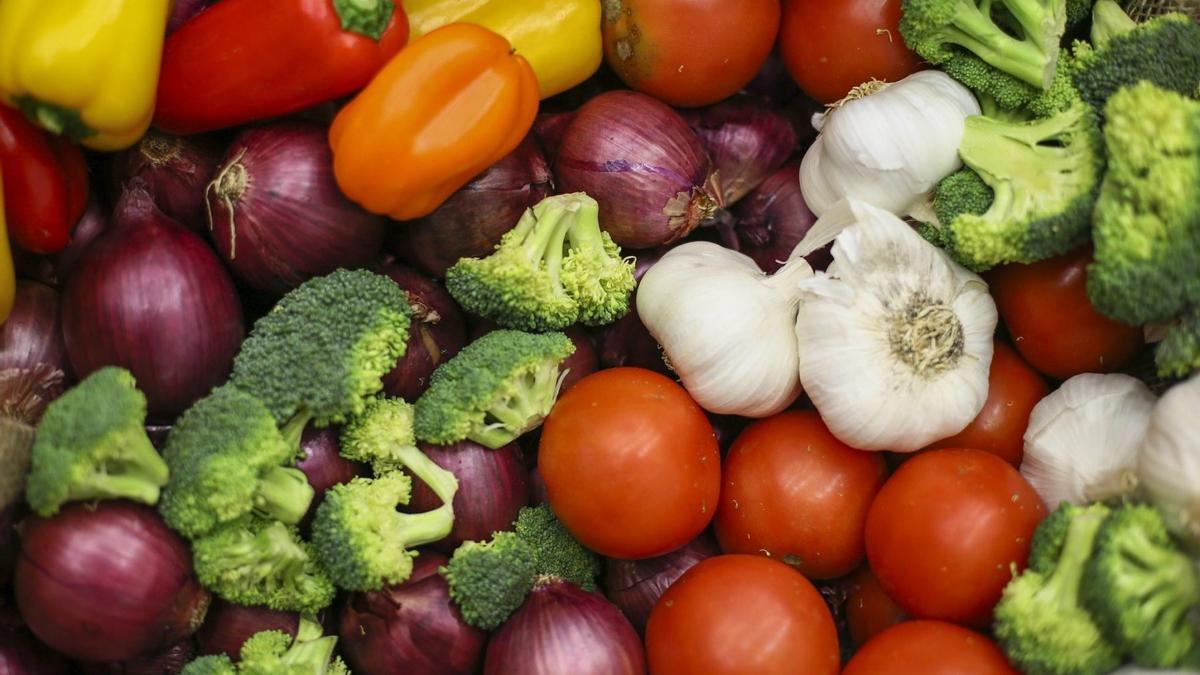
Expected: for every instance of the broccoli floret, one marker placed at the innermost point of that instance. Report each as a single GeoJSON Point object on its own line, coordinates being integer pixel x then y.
{"type": "Point", "coordinates": [497, 388]}
{"type": "Point", "coordinates": [227, 460]}
{"type": "Point", "coordinates": [92, 444]}
{"type": "Point", "coordinates": [996, 86]}
{"type": "Point", "coordinates": [274, 652]}
{"type": "Point", "coordinates": [218, 664]}
{"type": "Point", "coordinates": [261, 562]}
{"type": "Point", "coordinates": [324, 348]}
{"type": "Point", "coordinates": [933, 28]}
{"type": "Point", "coordinates": [382, 435]}
{"type": "Point", "coordinates": [1049, 537]}
{"type": "Point", "coordinates": [1039, 620]}
{"type": "Point", "coordinates": [1141, 587]}
{"type": "Point", "coordinates": [363, 541]}
{"type": "Point", "coordinates": [1078, 11]}
{"type": "Point", "coordinates": [554, 268]}
{"type": "Point", "coordinates": [1147, 220]}
{"type": "Point", "coordinates": [556, 553]}
{"type": "Point", "coordinates": [489, 580]}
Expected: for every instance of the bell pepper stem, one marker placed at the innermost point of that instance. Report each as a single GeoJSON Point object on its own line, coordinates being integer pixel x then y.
{"type": "Point", "coordinates": [55, 118]}
{"type": "Point", "coordinates": [368, 17]}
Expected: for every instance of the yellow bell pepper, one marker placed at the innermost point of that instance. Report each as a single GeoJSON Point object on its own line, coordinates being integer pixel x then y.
{"type": "Point", "coordinates": [87, 69]}
{"type": "Point", "coordinates": [559, 38]}
{"type": "Point", "coordinates": [8, 275]}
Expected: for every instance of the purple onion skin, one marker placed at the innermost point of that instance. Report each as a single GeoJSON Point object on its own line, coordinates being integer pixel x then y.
{"type": "Point", "coordinates": [184, 11]}
{"type": "Point", "coordinates": [169, 661]}
{"type": "Point", "coordinates": [773, 218]}
{"type": "Point", "coordinates": [583, 362]}
{"type": "Point", "coordinates": [227, 626]}
{"type": "Point", "coordinates": [176, 170]}
{"type": "Point", "coordinates": [641, 162]}
{"type": "Point", "coordinates": [627, 342]}
{"type": "Point", "coordinates": [10, 542]}
{"type": "Point", "coordinates": [747, 140]}
{"type": "Point", "coordinates": [537, 488]}
{"type": "Point", "coordinates": [549, 128]}
{"type": "Point", "coordinates": [34, 266]}
{"type": "Point", "coordinates": [409, 629]}
{"type": "Point", "coordinates": [324, 466]}
{"type": "Point", "coordinates": [91, 225]}
{"type": "Point", "coordinates": [33, 332]}
{"type": "Point", "coordinates": [636, 585]}
{"type": "Point", "coordinates": [493, 485]}
{"type": "Point", "coordinates": [438, 332]}
{"type": "Point", "coordinates": [151, 297]}
{"type": "Point", "coordinates": [470, 223]}
{"type": "Point", "coordinates": [562, 629]}
{"type": "Point", "coordinates": [107, 582]}
{"type": "Point", "coordinates": [277, 216]}
{"type": "Point", "coordinates": [23, 654]}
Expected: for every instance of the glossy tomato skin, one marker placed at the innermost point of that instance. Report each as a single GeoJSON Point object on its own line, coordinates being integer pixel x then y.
{"type": "Point", "coordinates": [793, 491]}
{"type": "Point", "coordinates": [869, 610]}
{"type": "Point", "coordinates": [688, 52]}
{"type": "Point", "coordinates": [734, 614]}
{"type": "Point", "coordinates": [1014, 388]}
{"type": "Point", "coordinates": [929, 648]}
{"type": "Point", "coordinates": [832, 47]}
{"type": "Point", "coordinates": [946, 531]}
{"type": "Point", "coordinates": [630, 463]}
{"type": "Point", "coordinates": [1052, 322]}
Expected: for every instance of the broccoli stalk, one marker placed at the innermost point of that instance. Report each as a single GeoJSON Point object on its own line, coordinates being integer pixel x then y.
{"type": "Point", "coordinates": [489, 580]}
{"type": "Point", "coordinates": [1108, 21]}
{"type": "Point", "coordinates": [92, 444]}
{"type": "Point", "coordinates": [383, 436]}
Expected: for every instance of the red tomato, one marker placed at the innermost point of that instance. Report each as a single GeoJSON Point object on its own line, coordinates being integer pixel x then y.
{"type": "Point", "coordinates": [735, 614]}
{"type": "Point", "coordinates": [630, 463]}
{"type": "Point", "coordinates": [688, 52]}
{"type": "Point", "coordinates": [869, 610]}
{"type": "Point", "coordinates": [946, 530]}
{"type": "Point", "coordinates": [832, 47]}
{"type": "Point", "coordinates": [929, 648]}
{"type": "Point", "coordinates": [793, 491]}
{"type": "Point", "coordinates": [1052, 322]}
{"type": "Point", "coordinates": [1013, 389]}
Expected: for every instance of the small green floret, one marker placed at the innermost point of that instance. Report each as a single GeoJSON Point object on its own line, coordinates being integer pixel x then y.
{"type": "Point", "coordinates": [382, 435]}
{"type": "Point", "coordinates": [92, 444]}
{"type": "Point", "coordinates": [489, 580]}
{"type": "Point", "coordinates": [496, 389]}
{"type": "Point", "coordinates": [1048, 538]}
{"type": "Point", "coordinates": [274, 652]}
{"type": "Point", "coordinates": [556, 552]}
{"type": "Point", "coordinates": [218, 664]}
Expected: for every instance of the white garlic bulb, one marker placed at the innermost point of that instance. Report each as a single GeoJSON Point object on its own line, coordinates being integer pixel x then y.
{"type": "Point", "coordinates": [1169, 462]}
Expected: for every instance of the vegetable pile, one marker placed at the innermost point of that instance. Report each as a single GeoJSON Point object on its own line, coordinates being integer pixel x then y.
{"type": "Point", "coordinates": [599, 337]}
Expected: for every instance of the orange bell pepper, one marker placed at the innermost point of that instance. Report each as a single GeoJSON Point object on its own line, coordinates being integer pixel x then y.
{"type": "Point", "coordinates": [451, 104]}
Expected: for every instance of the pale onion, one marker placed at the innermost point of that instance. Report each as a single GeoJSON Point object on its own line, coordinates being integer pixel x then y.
{"type": "Point", "coordinates": [1169, 463]}
{"type": "Point", "coordinates": [1082, 441]}
{"type": "Point", "coordinates": [895, 339]}
{"type": "Point", "coordinates": [888, 144]}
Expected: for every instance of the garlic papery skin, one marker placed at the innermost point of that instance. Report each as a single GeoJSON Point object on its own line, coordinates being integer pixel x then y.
{"type": "Point", "coordinates": [887, 144]}
{"type": "Point", "coordinates": [1083, 439]}
{"type": "Point", "coordinates": [1169, 462]}
{"type": "Point", "coordinates": [894, 339]}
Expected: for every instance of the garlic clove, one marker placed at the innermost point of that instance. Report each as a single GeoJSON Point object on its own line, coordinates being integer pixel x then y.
{"type": "Point", "coordinates": [1169, 461]}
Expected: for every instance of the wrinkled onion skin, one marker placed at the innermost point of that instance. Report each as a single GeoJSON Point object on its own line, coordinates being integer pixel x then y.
{"type": "Point", "coordinates": [94, 222]}
{"type": "Point", "coordinates": [438, 333]}
{"type": "Point", "coordinates": [634, 586]}
{"type": "Point", "coordinates": [747, 140]}
{"type": "Point", "coordinates": [583, 362]}
{"type": "Point", "coordinates": [175, 169]}
{"type": "Point", "coordinates": [32, 334]}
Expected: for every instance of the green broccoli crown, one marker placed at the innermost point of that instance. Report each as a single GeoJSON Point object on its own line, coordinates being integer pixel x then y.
{"type": "Point", "coordinates": [225, 455]}
{"type": "Point", "coordinates": [383, 436]}
{"type": "Point", "coordinates": [325, 347]}
{"type": "Point", "coordinates": [274, 652]}
{"type": "Point", "coordinates": [934, 27]}
{"type": "Point", "coordinates": [1078, 11]}
{"type": "Point", "coordinates": [989, 83]}
{"type": "Point", "coordinates": [262, 562]}
{"type": "Point", "coordinates": [489, 581]}
{"type": "Point", "coordinates": [218, 664]}
{"type": "Point", "coordinates": [1039, 620]}
{"type": "Point", "coordinates": [92, 444]}
{"type": "Point", "coordinates": [593, 272]}
{"type": "Point", "coordinates": [557, 553]}
{"type": "Point", "coordinates": [1049, 537]}
{"type": "Point", "coordinates": [1141, 587]}
{"type": "Point", "coordinates": [363, 541]}
{"type": "Point", "coordinates": [497, 388]}
{"type": "Point", "coordinates": [1179, 352]}
{"type": "Point", "coordinates": [1044, 175]}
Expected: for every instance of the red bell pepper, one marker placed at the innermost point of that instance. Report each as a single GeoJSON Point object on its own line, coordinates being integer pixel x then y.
{"type": "Point", "coordinates": [45, 184]}
{"type": "Point", "coordinates": [245, 60]}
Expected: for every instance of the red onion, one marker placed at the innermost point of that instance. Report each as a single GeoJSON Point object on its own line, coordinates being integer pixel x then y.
{"type": "Point", "coordinates": [227, 626]}
{"type": "Point", "coordinates": [184, 11]}
{"type": "Point", "coordinates": [641, 162]}
{"type": "Point", "coordinates": [438, 332]}
{"type": "Point", "coordinates": [537, 488]}
{"type": "Point", "coordinates": [93, 223]}
{"type": "Point", "coordinates": [169, 661]}
{"type": "Point", "coordinates": [409, 629]}
{"type": "Point", "coordinates": [32, 334]}
{"type": "Point", "coordinates": [583, 362]}
{"type": "Point", "coordinates": [562, 629]}
{"type": "Point", "coordinates": [636, 585]}
{"type": "Point", "coordinates": [25, 392]}
{"type": "Point", "coordinates": [176, 169]}
{"type": "Point", "coordinates": [470, 223]}
{"type": "Point", "coordinates": [150, 296]}
{"type": "Point", "coordinates": [21, 653]}
{"type": "Point", "coordinates": [747, 140]}
{"type": "Point", "coordinates": [324, 466]}
{"type": "Point", "coordinates": [34, 266]}
{"type": "Point", "coordinates": [773, 219]}
{"type": "Point", "coordinates": [627, 342]}
{"type": "Point", "coordinates": [10, 542]}
{"type": "Point", "coordinates": [107, 582]}
{"type": "Point", "coordinates": [276, 213]}
{"type": "Point", "coordinates": [492, 488]}
{"type": "Point", "coordinates": [549, 128]}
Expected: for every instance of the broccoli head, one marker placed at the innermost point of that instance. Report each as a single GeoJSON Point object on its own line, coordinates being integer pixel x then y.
{"type": "Point", "coordinates": [497, 388]}
{"type": "Point", "coordinates": [556, 553]}
{"type": "Point", "coordinates": [489, 580]}
{"type": "Point", "coordinates": [363, 541]}
{"type": "Point", "coordinates": [1048, 539]}
{"type": "Point", "coordinates": [554, 268]}
{"type": "Point", "coordinates": [218, 664]}
{"type": "Point", "coordinates": [92, 444]}
{"type": "Point", "coordinates": [994, 88]}
{"type": "Point", "coordinates": [325, 347]}
{"type": "Point", "coordinates": [1141, 587]}
{"type": "Point", "coordinates": [1039, 620]}
{"type": "Point", "coordinates": [226, 458]}
{"type": "Point", "coordinates": [382, 435]}
{"type": "Point", "coordinates": [273, 652]}
{"type": "Point", "coordinates": [1028, 51]}
{"type": "Point", "coordinates": [262, 562]}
